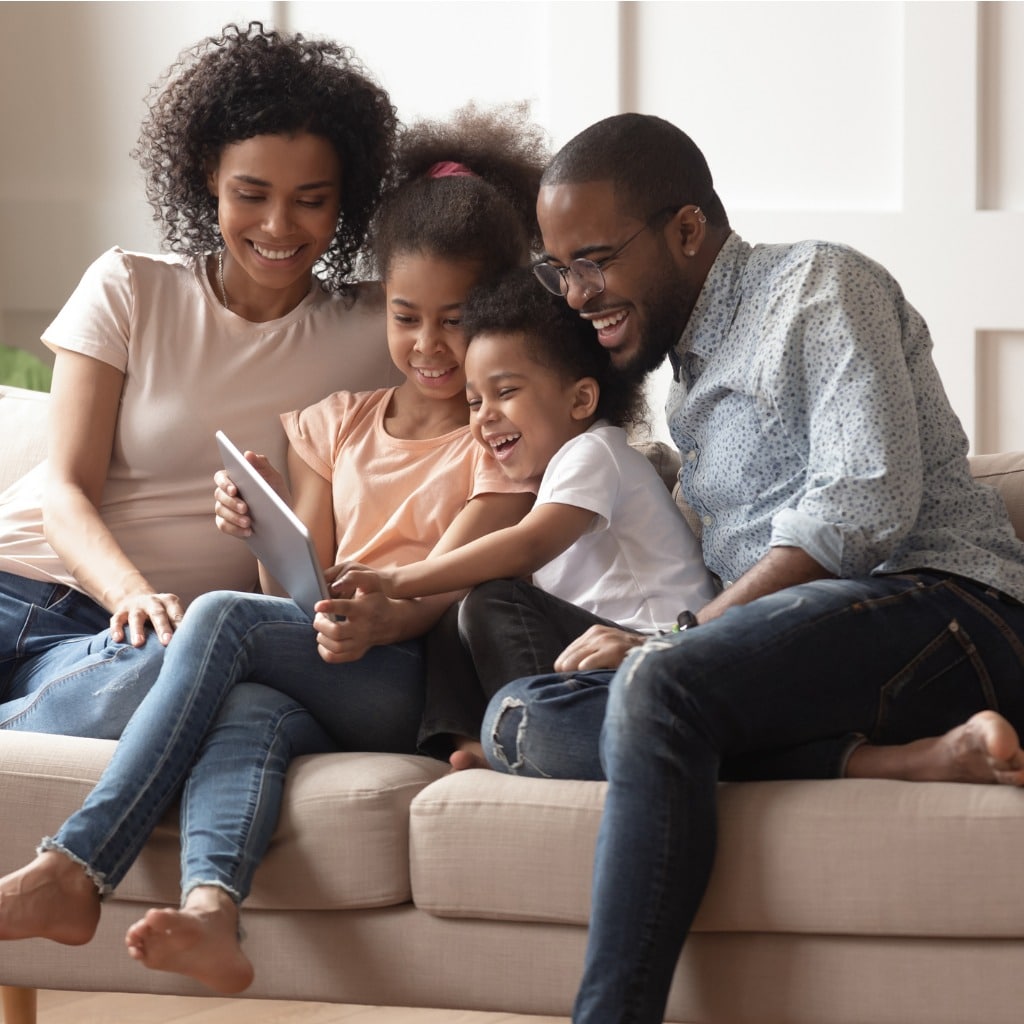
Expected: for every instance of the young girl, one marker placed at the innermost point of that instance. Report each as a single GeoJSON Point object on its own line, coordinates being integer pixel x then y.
{"type": "Point", "coordinates": [154, 353]}
{"type": "Point", "coordinates": [391, 474]}
{"type": "Point", "coordinates": [604, 543]}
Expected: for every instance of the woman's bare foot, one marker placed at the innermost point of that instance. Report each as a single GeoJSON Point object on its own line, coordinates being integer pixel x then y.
{"type": "Point", "coordinates": [468, 754]}
{"type": "Point", "coordinates": [986, 748]}
{"type": "Point", "coordinates": [50, 898]}
{"type": "Point", "coordinates": [199, 941]}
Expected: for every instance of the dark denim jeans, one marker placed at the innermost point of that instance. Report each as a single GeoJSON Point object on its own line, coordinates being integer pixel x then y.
{"type": "Point", "coordinates": [778, 688]}
{"type": "Point", "coordinates": [500, 631]}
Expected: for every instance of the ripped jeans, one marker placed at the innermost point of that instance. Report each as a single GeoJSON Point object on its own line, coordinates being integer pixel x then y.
{"type": "Point", "coordinates": [501, 630]}
{"type": "Point", "coordinates": [242, 691]}
{"type": "Point", "coordinates": [783, 687]}
{"type": "Point", "coordinates": [60, 672]}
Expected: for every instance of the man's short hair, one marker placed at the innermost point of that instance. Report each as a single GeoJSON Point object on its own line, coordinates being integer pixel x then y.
{"type": "Point", "coordinates": [651, 163]}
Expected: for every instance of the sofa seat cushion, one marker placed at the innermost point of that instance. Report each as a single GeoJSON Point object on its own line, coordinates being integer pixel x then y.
{"type": "Point", "coordinates": [847, 857]}
{"type": "Point", "coordinates": [342, 841]}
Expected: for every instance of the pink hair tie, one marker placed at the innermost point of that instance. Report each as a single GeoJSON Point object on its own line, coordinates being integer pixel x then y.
{"type": "Point", "coordinates": [449, 169]}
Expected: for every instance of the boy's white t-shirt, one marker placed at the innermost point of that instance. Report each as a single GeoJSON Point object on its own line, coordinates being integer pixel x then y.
{"type": "Point", "coordinates": [191, 368]}
{"type": "Point", "coordinates": [640, 564]}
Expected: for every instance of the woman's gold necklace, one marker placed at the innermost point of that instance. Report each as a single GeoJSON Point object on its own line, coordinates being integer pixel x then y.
{"type": "Point", "coordinates": [220, 279]}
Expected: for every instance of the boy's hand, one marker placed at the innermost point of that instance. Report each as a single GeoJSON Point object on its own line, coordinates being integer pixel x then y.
{"type": "Point", "coordinates": [354, 577]}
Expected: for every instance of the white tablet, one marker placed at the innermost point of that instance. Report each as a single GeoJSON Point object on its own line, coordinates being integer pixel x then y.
{"type": "Point", "coordinates": [279, 538]}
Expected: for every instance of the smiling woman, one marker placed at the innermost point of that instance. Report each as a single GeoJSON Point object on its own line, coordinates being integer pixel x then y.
{"type": "Point", "coordinates": [265, 156]}
{"type": "Point", "coordinates": [278, 198]}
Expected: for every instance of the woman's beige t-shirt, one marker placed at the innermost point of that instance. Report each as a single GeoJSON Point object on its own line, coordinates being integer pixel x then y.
{"type": "Point", "coordinates": [191, 368]}
{"type": "Point", "coordinates": [393, 497]}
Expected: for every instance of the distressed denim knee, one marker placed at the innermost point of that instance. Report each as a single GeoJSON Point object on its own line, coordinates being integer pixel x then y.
{"type": "Point", "coordinates": [506, 733]}
{"type": "Point", "coordinates": [547, 726]}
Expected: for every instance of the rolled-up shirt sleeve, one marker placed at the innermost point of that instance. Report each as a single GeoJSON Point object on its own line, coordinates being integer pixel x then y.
{"type": "Point", "coordinates": [844, 388]}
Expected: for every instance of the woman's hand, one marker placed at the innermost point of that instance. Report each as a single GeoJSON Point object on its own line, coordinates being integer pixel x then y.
{"type": "Point", "coordinates": [134, 611]}
{"type": "Point", "coordinates": [599, 647]}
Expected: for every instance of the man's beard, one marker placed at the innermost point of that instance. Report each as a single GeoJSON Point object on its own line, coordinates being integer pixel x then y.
{"type": "Point", "coordinates": [666, 314]}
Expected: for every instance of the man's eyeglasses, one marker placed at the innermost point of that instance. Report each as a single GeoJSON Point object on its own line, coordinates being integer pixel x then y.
{"type": "Point", "coordinates": [588, 274]}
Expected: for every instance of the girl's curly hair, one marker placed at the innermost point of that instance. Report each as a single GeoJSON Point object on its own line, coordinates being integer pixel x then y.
{"type": "Point", "coordinates": [490, 217]}
{"type": "Point", "coordinates": [249, 82]}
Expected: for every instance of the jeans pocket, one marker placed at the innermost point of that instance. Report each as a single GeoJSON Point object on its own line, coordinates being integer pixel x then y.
{"type": "Point", "coordinates": [940, 688]}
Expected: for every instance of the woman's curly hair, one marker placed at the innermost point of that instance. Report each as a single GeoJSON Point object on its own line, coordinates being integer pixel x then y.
{"type": "Point", "coordinates": [249, 82]}
{"type": "Point", "coordinates": [489, 217]}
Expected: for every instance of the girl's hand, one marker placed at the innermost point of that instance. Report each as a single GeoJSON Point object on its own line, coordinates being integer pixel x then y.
{"type": "Point", "coordinates": [134, 611]}
{"type": "Point", "coordinates": [348, 627]}
{"type": "Point", "coordinates": [231, 513]}
{"type": "Point", "coordinates": [599, 647]}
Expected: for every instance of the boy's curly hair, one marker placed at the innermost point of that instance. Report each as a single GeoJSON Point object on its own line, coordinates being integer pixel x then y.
{"type": "Point", "coordinates": [248, 82]}
{"type": "Point", "coordinates": [490, 217]}
{"type": "Point", "coordinates": [556, 337]}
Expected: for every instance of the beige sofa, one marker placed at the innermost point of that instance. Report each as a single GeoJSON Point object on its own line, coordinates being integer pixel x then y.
{"type": "Point", "coordinates": [390, 882]}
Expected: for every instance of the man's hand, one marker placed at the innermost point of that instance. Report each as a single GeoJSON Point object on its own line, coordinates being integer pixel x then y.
{"type": "Point", "coordinates": [599, 647]}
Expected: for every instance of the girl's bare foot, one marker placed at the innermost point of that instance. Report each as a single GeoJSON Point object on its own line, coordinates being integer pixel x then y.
{"type": "Point", "coordinates": [50, 898]}
{"type": "Point", "coordinates": [468, 754]}
{"type": "Point", "coordinates": [199, 941]}
{"type": "Point", "coordinates": [986, 748]}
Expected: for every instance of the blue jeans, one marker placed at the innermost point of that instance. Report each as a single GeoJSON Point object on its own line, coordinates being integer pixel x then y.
{"type": "Point", "coordinates": [60, 672]}
{"type": "Point", "coordinates": [230, 744]}
{"type": "Point", "coordinates": [780, 687]}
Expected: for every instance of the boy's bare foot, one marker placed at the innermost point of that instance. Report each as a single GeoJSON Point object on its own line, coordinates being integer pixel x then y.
{"type": "Point", "coordinates": [199, 941]}
{"type": "Point", "coordinates": [986, 748]}
{"type": "Point", "coordinates": [50, 898]}
{"type": "Point", "coordinates": [469, 754]}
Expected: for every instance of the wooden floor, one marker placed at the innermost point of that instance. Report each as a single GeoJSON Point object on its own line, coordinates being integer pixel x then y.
{"type": "Point", "coordinates": [104, 1008]}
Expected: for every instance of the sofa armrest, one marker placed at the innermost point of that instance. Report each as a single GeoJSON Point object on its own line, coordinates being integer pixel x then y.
{"type": "Point", "coordinates": [22, 432]}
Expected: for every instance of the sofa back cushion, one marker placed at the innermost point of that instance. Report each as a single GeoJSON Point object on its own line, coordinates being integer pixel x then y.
{"type": "Point", "coordinates": [23, 445]}
{"type": "Point", "coordinates": [1005, 472]}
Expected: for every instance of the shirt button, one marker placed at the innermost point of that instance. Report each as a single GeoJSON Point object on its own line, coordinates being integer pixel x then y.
{"type": "Point", "coordinates": [691, 455]}
{"type": "Point", "coordinates": [707, 520]}
{"type": "Point", "coordinates": [727, 583]}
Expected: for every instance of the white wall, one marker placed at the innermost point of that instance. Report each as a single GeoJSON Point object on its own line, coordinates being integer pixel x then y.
{"type": "Point", "coordinates": [891, 126]}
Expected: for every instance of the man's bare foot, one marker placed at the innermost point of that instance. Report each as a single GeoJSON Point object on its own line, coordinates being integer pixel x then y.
{"type": "Point", "coordinates": [199, 941]}
{"type": "Point", "coordinates": [468, 754]}
{"type": "Point", "coordinates": [986, 748]}
{"type": "Point", "coordinates": [50, 898]}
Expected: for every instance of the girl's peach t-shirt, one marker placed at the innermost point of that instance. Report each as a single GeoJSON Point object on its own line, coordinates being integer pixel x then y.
{"type": "Point", "coordinates": [393, 497]}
